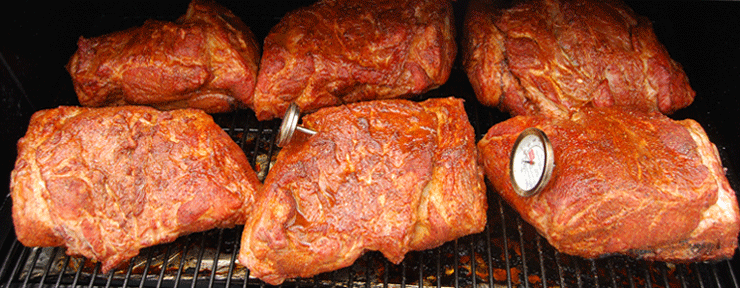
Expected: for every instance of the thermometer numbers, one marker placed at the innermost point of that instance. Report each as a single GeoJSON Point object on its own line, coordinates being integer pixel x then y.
{"type": "Point", "coordinates": [529, 162]}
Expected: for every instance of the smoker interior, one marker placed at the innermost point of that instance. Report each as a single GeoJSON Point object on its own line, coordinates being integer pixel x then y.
{"type": "Point", "coordinates": [39, 37]}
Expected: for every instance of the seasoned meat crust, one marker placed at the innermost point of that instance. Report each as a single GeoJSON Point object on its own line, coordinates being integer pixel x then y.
{"type": "Point", "coordinates": [106, 182]}
{"type": "Point", "coordinates": [554, 56]}
{"type": "Point", "coordinates": [340, 51]}
{"type": "Point", "coordinates": [207, 59]}
{"type": "Point", "coordinates": [385, 175]}
{"type": "Point", "coordinates": [625, 182]}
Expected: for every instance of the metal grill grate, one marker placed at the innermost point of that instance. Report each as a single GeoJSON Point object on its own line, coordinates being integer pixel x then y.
{"type": "Point", "coordinates": [509, 253]}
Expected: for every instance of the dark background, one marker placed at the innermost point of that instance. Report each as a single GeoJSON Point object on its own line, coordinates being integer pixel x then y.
{"type": "Point", "coordinates": [38, 37]}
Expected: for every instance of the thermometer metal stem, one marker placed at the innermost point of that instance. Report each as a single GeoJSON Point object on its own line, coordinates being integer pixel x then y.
{"type": "Point", "coordinates": [290, 125]}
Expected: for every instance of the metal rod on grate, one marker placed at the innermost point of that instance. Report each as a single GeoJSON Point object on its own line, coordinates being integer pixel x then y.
{"type": "Point", "coordinates": [421, 269]}
{"type": "Point", "coordinates": [232, 264]}
{"type": "Point", "coordinates": [648, 282]}
{"type": "Point", "coordinates": [165, 261]}
{"type": "Point", "coordinates": [578, 274]}
{"type": "Point", "coordinates": [64, 269]}
{"type": "Point", "coordinates": [732, 273]}
{"type": "Point", "coordinates": [214, 265]}
{"type": "Point", "coordinates": [506, 243]}
{"type": "Point", "coordinates": [110, 278]}
{"type": "Point", "coordinates": [369, 261]}
{"type": "Point", "coordinates": [472, 262]}
{"type": "Point", "coordinates": [53, 255]}
{"type": "Point", "coordinates": [560, 269]}
{"type": "Point", "coordinates": [456, 262]}
{"type": "Point", "coordinates": [36, 252]}
{"type": "Point", "coordinates": [489, 259]}
{"type": "Point", "coordinates": [128, 271]}
{"type": "Point", "coordinates": [525, 270]}
{"type": "Point", "coordinates": [182, 261]}
{"type": "Point", "coordinates": [200, 259]}
{"type": "Point", "coordinates": [439, 268]}
{"type": "Point", "coordinates": [594, 272]}
{"type": "Point", "coordinates": [715, 274]}
{"type": "Point", "coordinates": [18, 265]}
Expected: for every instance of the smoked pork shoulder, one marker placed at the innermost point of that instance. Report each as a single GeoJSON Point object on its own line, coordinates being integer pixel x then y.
{"type": "Point", "coordinates": [624, 182]}
{"type": "Point", "coordinates": [342, 51]}
{"type": "Point", "coordinates": [550, 57]}
{"type": "Point", "coordinates": [207, 59]}
{"type": "Point", "coordinates": [386, 175]}
{"type": "Point", "coordinates": [106, 182]}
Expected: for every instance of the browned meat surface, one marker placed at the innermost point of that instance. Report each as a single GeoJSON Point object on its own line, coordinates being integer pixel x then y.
{"type": "Point", "coordinates": [624, 182]}
{"type": "Point", "coordinates": [341, 51]}
{"type": "Point", "coordinates": [106, 182]}
{"type": "Point", "coordinates": [554, 56]}
{"type": "Point", "coordinates": [207, 59]}
{"type": "Point", "coordinates": [386, 175]}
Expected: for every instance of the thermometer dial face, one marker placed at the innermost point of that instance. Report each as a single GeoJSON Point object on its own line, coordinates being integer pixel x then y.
{"type": "Point", "coordinates": [531, 162]}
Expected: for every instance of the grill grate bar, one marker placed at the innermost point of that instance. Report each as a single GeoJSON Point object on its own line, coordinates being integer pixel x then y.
{"type": "Point", "coordinates": [232, 264]}
{"type": "Point", "coordinates": [506, 243]}
{"type": "Point", "coordinates": [148, 264]}
{"type": "Point", "coordinates": [542, 261]}
{"type": "Point", "coordinates": [94, 274]}
{"type": "Point", "coordinates": [664, 274]}
{"type": "Point", "coordinates": [612, 274]}
{"type": "Point", "coordinates": [403, 274]}
{"type": "Point", "coordinates": [421, 271]}
{"type": "Point", "coordinates": [214, 266]}
{"type": "Point", "coordinates": [473, 266]}
{"type": "Point", "coordinates": [128, 271]}
{"type": "Point", "coordinates": [6, 262]}
{"type": "Point", "coordinates": [200, 260]}
{"type": "Point", "coordinates": [682, 276]}
{"type": "Point", "coordinates": [165, 261]}
{"type": "Point", "coordinates": [578, 274]}
{"type": "Point", "coordinates": [560, 269]}
{"type": "Point", "coordinates": [648, 282]}
{"type": "Point", "coordinates": [631, 270]}
{"type": "Point", "coordinates": [182, 262]}
{"type": "Point", "coordinates": [385, 274]}
{"type": "Point", "coordinates": [525, 269]}
{"type": "Point", "coordinates": [456, 265]}
{"type": "Point", "coordinates": [17, 267]}
{"type": "Point", "coordinates": [701, 281]}
{"type": "Point", "coordinates": [77, 276]}
{"type": "Point", "coordinates": [35, 253]}
{"type": "Point", "coordinates": [64, 269]}
{"type": "Point", "coordinates": [594, 272]}
{"type": "Point", "coordinates": [110, 279]}
{"type": "Point", "coordinates": [489, 258]}
{"type": "Point", "coordinates": [439, 268]}
{"type": "Point", "coordinates": [731, 272]}
{"type": "Point", "coordinates": [54, 252]}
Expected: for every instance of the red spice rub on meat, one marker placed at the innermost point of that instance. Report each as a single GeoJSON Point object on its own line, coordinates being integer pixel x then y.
{"type": "Point", "coordinates": [106, 182]}
{"type": "Point", "coordinates": [341, 51]}
{"type": "Point", "coordinates": [207, 59]}
{"type": "Point", "coordinates": [386, 175]}
{"type": "Point", "coordinates": [624, 182]}
{"type": "Point", "coordinates": [554, 56]}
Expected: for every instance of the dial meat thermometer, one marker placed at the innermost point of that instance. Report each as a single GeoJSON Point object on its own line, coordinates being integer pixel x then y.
{"type": "Point", "coordinates": [290, 125]}
{"type": "Point", "coordinates": [531, 162]}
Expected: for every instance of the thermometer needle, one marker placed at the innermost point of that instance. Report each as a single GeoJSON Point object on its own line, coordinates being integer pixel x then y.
{"type": "Point", "coordinates": [530, 157]}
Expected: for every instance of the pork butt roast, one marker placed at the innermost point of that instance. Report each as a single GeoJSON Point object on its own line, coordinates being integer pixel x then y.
{"type": "Point", "coordinates": [624, 182]}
